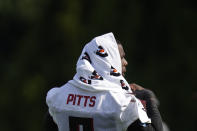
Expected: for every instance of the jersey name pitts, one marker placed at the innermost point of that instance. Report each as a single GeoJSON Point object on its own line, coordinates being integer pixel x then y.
{"type": "Point", "coordinates": [81, 100]}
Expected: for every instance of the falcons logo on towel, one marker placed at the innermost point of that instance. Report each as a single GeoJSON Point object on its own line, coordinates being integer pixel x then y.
{"type": "Point", "coordinates": [114, 72]}
{"type": "Point", "coordinates": [85, 80]}
{"type": "Point", "coordinates": [123, 85]}
{"type": "Point", "coordinates": [86, 57]}
{"type": "Point", "coordinates": [101, 52]}
{"type": "Point", "coordinates": [96, 76]}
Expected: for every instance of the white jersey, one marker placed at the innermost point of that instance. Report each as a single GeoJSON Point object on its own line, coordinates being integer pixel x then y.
{"type": "Point", "coordinates": [76, 110]}
{"type": "Point", "coordinates": [98, 98]}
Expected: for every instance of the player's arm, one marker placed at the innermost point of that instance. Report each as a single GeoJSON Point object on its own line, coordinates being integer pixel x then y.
{"type": "Point", "coordinates": [152, 110]}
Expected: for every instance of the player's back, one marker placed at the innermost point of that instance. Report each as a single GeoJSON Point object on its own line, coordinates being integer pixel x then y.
{"type": "Point", "coordinates": [74, 109]}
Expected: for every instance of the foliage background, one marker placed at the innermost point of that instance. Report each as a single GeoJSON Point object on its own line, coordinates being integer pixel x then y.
{"type": "Point", "coordinates": [42, 39]}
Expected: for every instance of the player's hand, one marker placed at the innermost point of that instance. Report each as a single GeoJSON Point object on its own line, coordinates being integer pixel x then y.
{"type": "Point", "coordinates": [143, 93]}
{"type": "Point", "coordinates": [135, 87]}
{"type": "Point", "coordinates": [139, 91]}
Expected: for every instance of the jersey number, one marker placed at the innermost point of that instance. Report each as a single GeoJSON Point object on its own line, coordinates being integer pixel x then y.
{"type": "Point", "coordinates": [80, 124]}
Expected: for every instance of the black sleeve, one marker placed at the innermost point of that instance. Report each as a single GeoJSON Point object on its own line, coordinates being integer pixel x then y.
{"type": "Point", "coordinates": [49, 124]}
{"type": "Point", "coordinates": [152, 112]}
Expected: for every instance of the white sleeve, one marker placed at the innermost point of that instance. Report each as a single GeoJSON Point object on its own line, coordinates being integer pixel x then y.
{"type": "Point", "coordinates": [51, 96]}
{"type": "Point", "coordinates": [52, 93]}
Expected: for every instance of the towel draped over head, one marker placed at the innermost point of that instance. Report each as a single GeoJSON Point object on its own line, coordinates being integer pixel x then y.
{"type": "Point", "coordinates": [99, 68]}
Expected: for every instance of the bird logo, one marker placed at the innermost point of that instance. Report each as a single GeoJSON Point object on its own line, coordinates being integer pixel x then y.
{"type": "Point", "coordinates": [101, 52]}
{"type": "Point", "coordinates": [96, 76]}
{"type": "Point", "coordinates": [86, 57]}
{"type": "Point", "coordinates": [85, 80]}
{"type": "Point", "coordinates": [114, 72]}
{"type": "Point", "coordinates": [123, 85]}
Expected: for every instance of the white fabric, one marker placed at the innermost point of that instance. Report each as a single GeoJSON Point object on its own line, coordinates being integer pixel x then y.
{"type": "Point", "coordinates": [95, 92]}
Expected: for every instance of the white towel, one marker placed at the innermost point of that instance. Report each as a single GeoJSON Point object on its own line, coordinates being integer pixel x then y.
{"type": "Point", "coordinates": [99, 69]}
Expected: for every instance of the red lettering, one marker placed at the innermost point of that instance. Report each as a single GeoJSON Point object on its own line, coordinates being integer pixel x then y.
{"type": "Point", "coordinates": [86, 99]}
{"type": "Point", "coordinates": [70, 98]}
{"type": "Point", "coordinates": [76, 100]}
{"type": "Point", "coordinates": [92, 101]}
{"type": "Point", "coordinates": [79, 100]}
